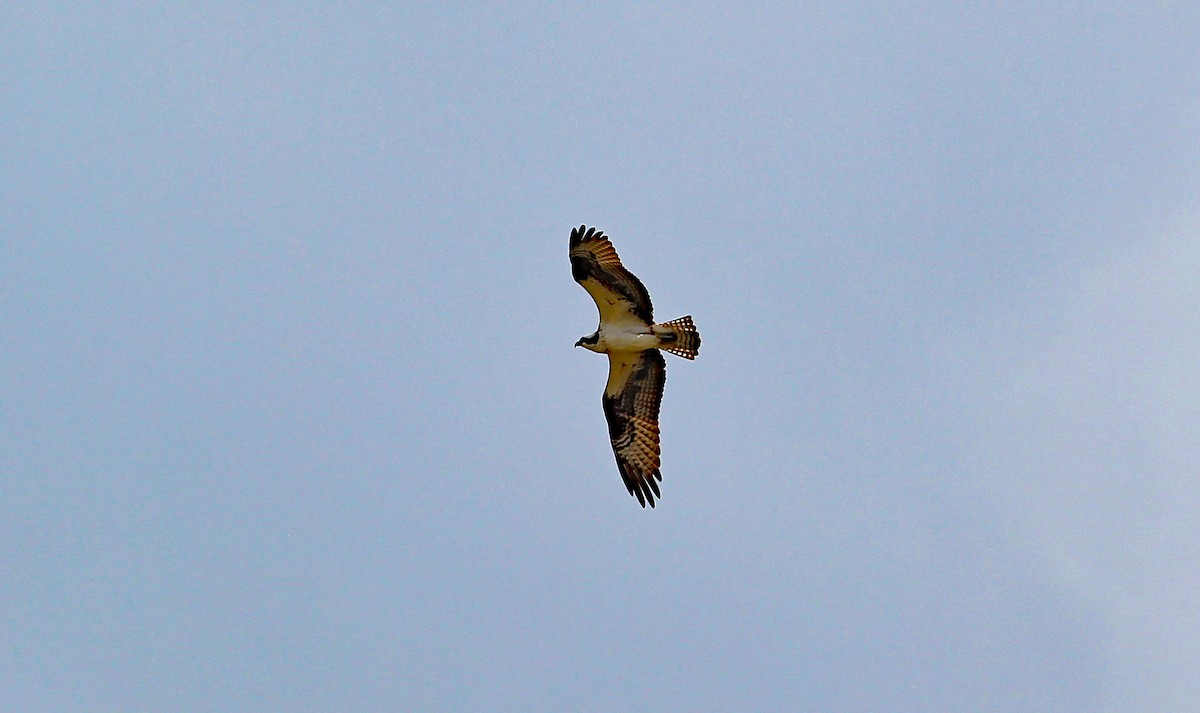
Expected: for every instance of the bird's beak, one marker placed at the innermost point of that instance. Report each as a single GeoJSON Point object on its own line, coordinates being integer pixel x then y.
{"type": "Point", "coordinates": [579, 343]}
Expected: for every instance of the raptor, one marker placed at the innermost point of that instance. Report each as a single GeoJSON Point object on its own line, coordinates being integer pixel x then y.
{"type": "Point", "coordinates": [633, 342]}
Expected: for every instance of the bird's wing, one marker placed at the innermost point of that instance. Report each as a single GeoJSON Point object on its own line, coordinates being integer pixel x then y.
{"type": "Point", "coordinates": [631, 402]}
{"type": "Point", "coordinates": [595, 265]}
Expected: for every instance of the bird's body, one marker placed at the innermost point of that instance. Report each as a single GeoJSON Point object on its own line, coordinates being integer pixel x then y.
{"type": "Point", "coordinates": [624, 338]}
{"type": "Point", "coordinates": [637, 370]}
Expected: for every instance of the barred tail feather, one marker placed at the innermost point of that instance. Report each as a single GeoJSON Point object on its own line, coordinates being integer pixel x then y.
{"type": "Point", "coordinates": [679, 336]}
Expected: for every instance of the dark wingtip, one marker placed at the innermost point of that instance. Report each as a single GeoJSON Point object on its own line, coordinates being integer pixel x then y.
{"type": "Point", "coordinates": [644, 496]}
{"type": "Point", "coordinates": [577, 234]}
{"type": "Point", "coordinates": [651, 480]}
{"type": "Point", "coordinates": [647, 490]}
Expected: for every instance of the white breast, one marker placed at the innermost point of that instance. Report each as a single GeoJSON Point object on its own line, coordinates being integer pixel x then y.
{"type": "Point", "coordinates": [627, 337]}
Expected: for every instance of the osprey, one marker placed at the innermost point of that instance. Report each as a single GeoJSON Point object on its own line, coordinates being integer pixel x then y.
{"type": "Point", "coordinates": [636, 369]}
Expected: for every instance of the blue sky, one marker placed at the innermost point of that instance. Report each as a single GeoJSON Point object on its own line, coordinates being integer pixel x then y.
{"type": "Point", "coordinates": [292, 420]}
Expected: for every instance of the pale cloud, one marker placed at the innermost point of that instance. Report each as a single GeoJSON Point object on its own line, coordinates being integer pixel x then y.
{"type": "Point", "coordinates": [1091, 451]}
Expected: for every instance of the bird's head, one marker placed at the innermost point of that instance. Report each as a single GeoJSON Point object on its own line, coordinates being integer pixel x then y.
{"type": "Point", "coordinates": [589, 341]}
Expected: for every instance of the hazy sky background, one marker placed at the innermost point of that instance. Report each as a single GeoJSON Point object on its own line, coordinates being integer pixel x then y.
{"type": "Point", "coordinates": [292, 420]}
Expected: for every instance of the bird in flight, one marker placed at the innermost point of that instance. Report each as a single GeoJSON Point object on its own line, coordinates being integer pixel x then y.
{"type": "Point", "coordinates": [636, 369]}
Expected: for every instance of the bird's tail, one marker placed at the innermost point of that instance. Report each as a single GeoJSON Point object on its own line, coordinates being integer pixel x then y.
{"type": "Point", "coordinates": [679, 336]}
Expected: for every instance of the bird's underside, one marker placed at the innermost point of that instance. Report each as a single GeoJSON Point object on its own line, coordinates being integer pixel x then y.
{"type": "Point", "coordinates": [637, 371]}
